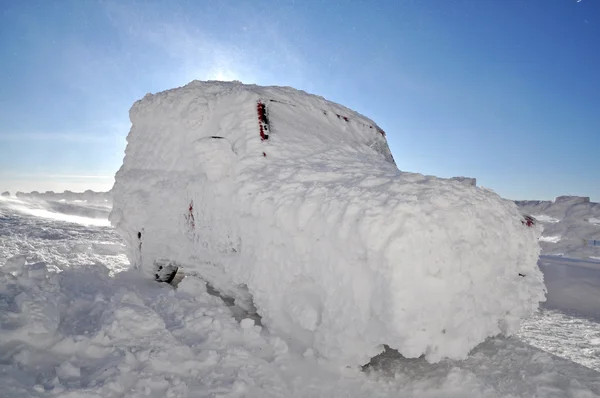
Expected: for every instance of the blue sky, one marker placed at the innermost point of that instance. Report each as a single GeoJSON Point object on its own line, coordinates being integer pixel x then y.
{"type": "Point", "coordinates": [507, 91]}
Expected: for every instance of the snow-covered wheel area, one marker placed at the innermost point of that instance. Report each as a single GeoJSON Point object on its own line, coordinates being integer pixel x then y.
{"type": "Point", "coordinates": [291, 203]}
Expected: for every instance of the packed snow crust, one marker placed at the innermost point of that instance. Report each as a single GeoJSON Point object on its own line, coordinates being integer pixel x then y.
{"type": "Point", "coordinates": [317, 228]}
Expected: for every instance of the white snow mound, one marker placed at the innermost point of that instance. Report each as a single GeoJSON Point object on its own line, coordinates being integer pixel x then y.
{"type": "Point", "coordinates": [336, 247]}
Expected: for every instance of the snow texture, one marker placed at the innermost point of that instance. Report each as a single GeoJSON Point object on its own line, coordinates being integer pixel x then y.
{"type": "Point", "coordinates": [316, 227]}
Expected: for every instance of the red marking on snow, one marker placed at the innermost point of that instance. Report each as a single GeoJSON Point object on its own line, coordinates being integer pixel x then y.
{"type": "Point", "coordinates": [342, 117]}
{"type": "Point", "coordinates": [262, 120]}
{"type": "Point", "coordinates": [262, 133]}
{"type": "Point", "coordinates": [529, 221]}
{"type": "Point", "coordinates": [264, 155]}
{"type": "Point", "coordinates": [190, 216]}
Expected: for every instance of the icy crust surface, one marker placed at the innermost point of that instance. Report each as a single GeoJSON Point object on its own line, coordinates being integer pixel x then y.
{"type": "Point", "coordinates": [339, 250]}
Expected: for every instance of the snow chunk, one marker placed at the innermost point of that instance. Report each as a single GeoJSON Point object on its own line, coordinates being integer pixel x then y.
{"type": "Point", "coordinates": [15, 263]}
{"type": "Point", "coordinates": [466, 180]}
{"type": "Point", "coordinates": [551, 239]}
{"type": "Point", "coordinates": [302, 207]}
{"type": "Point", "coordinates": [68, 371]}
{"type": "Point", "coordinates": [572, 200]}
{"type": "Point", "coordinates": [247, 323]}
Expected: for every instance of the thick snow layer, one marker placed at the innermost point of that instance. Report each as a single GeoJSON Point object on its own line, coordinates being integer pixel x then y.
{"type": "Point", "coordinates": [338, 249]}
{"type": "Point", "coordinates": [69, 329]}
{"type": "Point", "coordinates": [571, 218]}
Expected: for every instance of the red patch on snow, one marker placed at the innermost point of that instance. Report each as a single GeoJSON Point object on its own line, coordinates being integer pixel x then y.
{"type": "Point", "coordinates": [528, 221]}
{"type": "Point", "coordinates": [263, 122]}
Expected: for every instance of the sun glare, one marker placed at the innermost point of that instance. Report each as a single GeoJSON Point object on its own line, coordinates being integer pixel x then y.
{"type": "Point", "coordinates": [223, 75]}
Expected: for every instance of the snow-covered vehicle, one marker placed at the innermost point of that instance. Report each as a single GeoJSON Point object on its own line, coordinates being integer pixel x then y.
{"type": "Point", "coordinates": [293, 204]}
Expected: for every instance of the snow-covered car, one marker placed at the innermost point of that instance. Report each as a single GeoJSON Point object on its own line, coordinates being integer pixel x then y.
{"type": "Point", "coordinates": [294, 206]}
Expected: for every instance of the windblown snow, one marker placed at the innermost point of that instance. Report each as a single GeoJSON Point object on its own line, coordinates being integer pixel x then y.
{"type": "Point", "coordinates": [311, 223]}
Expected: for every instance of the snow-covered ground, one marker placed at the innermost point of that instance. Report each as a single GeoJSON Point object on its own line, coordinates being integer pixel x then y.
{"type": "Point", "coordinates": [70, 329]}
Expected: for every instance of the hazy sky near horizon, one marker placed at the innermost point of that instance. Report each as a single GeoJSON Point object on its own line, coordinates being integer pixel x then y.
{"type": "Point", "coordinates": [504, 91]}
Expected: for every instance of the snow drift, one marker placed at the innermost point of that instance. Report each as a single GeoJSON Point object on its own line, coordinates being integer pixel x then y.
{"type": "Point", "coordinates": [293, 202]}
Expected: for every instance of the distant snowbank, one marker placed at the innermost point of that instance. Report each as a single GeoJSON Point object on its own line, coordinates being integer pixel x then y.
{"type": "Point", "coordinates": [571, 218]}
{"type": "Point", "coordinates": [297, 201]}
{"type": "Point", "coordinates": [89, 196]}
{"type": "Point", "coordinates": [544, 218]}
{"type": "Point", "coordinates": [79, 213]}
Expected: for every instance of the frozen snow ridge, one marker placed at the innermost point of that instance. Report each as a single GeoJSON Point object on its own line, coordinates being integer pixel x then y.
{"type": "Point", "coordinates": [291, 203]}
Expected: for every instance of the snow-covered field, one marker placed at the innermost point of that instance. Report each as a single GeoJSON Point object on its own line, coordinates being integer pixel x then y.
{"type": "Point", "coordinates": [70, 329]}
